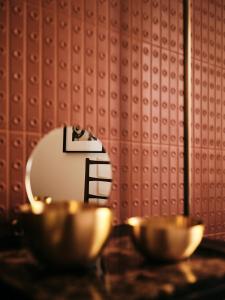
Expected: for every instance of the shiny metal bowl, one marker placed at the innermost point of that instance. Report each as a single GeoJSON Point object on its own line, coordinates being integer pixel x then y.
{"type": "Point", "coordinates": [66, 234]}
{"type": "Point", "coordinates": [166, 238]}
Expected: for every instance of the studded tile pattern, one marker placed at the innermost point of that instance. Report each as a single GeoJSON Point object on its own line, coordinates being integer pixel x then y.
{"type": "Point", "coordinates": [116, 67]}
{"type": "Point", "coordinates": [208, 115]}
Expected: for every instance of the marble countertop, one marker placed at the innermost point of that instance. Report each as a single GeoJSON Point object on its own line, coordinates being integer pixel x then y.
{"type": "Point", "coordinates": [120, 273]}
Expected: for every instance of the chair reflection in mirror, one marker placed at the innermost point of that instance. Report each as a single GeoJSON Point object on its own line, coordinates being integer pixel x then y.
{"type": "Point", "coordinates": [98, 180]}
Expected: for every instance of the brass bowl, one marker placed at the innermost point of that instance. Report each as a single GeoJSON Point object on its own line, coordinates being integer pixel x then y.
{"type": "Point", "coordinates": [66, 234]}
{"type": "Point", "coordinates": [166, 238]}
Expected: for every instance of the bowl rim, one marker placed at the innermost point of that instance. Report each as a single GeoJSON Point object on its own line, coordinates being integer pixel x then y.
{"type": "Point", "coordinates": [144, 221]}
{"type": "Point", "coordinates": [72, 206]}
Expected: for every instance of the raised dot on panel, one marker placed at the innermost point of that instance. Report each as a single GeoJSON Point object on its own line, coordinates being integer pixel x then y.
{"type": "Point", "coordinates": [48, 19]}
{"type": "Point", "coordinates": [164, 121]}
{"type": "Point", "coordinates": [17, 165]}
{"type": "Point", "coordinates": [89, 90]}
{"type": "Point", "coordinates": [114, 95]}
{"type": "Point", "coordinates": [101, 36]}
{"type": "Point", "coordinates": [17, 143]}
{"type": "Point", "coordinates": [33, 58]}
{"type": "Point", "coordinates": [113, 59]}
{"type": "Point", "coordinates": [76, 68]}
{"type": "Point", "coordinates": [62, 85]}
{"type": "Point", "coordinates": [2, 186]}
{"type": "Point", "coordinates": [145, 84]}
{"type": "Point", "coordinates": [16, 120]}
{"type": "Point", "coordinates": [89, 109]}
{"type": "Point", "coordinates": [16, 187]}
{"type": "Point", "coordinates": [89, 52]}
{"type": "Point", "coordinates": [89, 71]}
{"type": "Point", "coordinates": [48, 103]}
{"type": "Point", "coordinates": [102, 130]}
{"type": "Point", "coordinates": [33, 122]}
{"type": "Point", "coordinates": [33, 36]}
{"type": "Point", "coordinates": [101, 74]}
{"type": "Point", "coordinates": [17, 76]}
{"type": "Point", "coordinates": [113, 77]}
{"type": "Point", "coordinates": [16, 98]}
{"type": "Point", "coordinates": [114, 113]}
{"type": "Point", "coordinates": [90, 128]}
{"type": "Point", "coordinates": [145, 67]}
{"type": "Point", "coordinates": [76, 48]}
{"type": "Point", "coordinates": [89, 32]}
{"type": "Point", "coordinates": [48, 40]}
{"type": "Point", "coordinates": [34, 15]}
{"type": "Point", "coordinates": [17, 10]}
{"type": "Point", "coordinates": [101, 19]}
{"type": "Point", "coordinates": [48, 82]}
{"type": "Point", "coordinates": [33, 79]}
{"type": "Point", "coordinates": [145, 135]}
{"type": "Point", "coordinates": [33, 143]}
{"type": "Point", "coordinates": [76, 107]}
{"type": "Point", "coordinates": [62, 4]}
{"type": "Point", "coordinates": [145, 33]}
{"type": "Point", "coordinates": [114, 204]}
{"type": "Point", "coordinates": [62, 44]}
{"type": "Point", "coordinates": [48, 124]}
{"type": "Point", "coordinates": [102, 111]}
{"type": "Point", "coordinates": [62, 64]}
{"type": "Point", "coordinates": [113, 131]}
{"type": "Point", "coordinates": [89, 13]}
{"type": "Point", "coordinates": [135, 116]}
{"type": "Point", "coordinates": [17, 53]}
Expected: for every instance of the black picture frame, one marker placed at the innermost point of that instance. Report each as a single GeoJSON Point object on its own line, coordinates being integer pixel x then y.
{"type": "Point", "coordinates": [67, 150]}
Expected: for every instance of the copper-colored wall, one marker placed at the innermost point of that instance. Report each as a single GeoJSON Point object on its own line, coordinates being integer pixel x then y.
{"type": "Point", "coordinates": [209, 114]}
{"type": "Point", "coordinates": [115, 67]}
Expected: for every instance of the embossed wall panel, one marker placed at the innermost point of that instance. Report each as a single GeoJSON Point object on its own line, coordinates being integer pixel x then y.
{"type": "Point", "coordinates": [116, 67]}
{"type": "Point", "coordinates": [146, 179]}
{"type": "Point", "coordinates": [125, 180]}
{"type": "Point", "coordinates": [93, 63]}
{"type": "Point", "coordinates": [33, 72]}
{"type": "Point", "coordinates": [49, 63]}
{"type": "Point", "coordinates": [145, 97]}
{"type": "Point", "coordinates": [174, 181]}
{"type": "Point", "coordinates": [4, 184]}
{"type": "Point", "coordinates": [63, 64]}
{"type": "Point", "coordinates": [156, 180]}
{"type": "Point", "coordinates": [135, 199]}
{"type": "Point", "coordinates": [103, 84]}
{"type": "Point", "coordinates": [77, 69]}
{"type": "Point", "coordinates": [114, 86]}
{"type": "Point", "coordinates": [125, 91]}
{"type": "Point", "coordinates": [16, 66]}
{"type": "Point", "coordinates": [4, 67]}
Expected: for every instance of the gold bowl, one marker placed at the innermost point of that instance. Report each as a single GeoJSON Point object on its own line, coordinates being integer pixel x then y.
{"type": "Point", "coordinates": [166, 238]}
{"type": "Point", "coordinates": [66, 234]}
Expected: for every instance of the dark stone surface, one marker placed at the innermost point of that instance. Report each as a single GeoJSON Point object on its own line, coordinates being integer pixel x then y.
{"type": "Point", "coordinates": [120, 273]}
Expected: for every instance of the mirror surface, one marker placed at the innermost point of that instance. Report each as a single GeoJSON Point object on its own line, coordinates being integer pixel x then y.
{"type": "Point", "coordinates": [69, 163]}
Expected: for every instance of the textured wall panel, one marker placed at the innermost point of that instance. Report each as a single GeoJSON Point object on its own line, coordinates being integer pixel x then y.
{"type": "Point", "coordinates": [116, 67]}
{"type": "Point", "coordinates": [4, 184]}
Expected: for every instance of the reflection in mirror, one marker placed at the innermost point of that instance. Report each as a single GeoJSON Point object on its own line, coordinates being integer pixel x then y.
{"type": "Point", "coordinates": [69, 163]}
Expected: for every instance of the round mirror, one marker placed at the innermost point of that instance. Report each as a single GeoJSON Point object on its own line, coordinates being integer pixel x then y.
{"type": "Point", "coordinates": [69, 163]}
